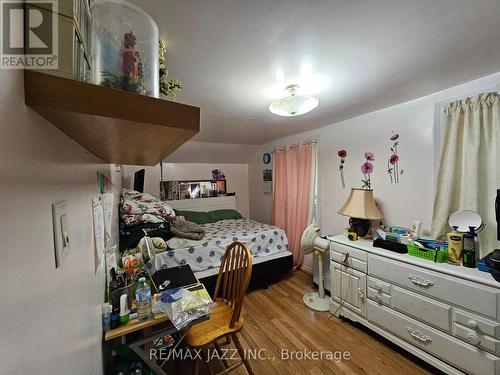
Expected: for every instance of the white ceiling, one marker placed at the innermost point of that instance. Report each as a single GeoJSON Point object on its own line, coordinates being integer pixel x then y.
{"type": "Point", "coordinates": [355, 56]}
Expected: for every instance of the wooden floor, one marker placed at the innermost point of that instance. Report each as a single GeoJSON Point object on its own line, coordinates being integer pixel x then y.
{"type": "Point", "coordinates": [277, 319]}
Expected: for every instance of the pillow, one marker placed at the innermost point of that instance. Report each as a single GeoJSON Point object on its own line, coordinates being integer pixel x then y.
{"type": "Point", "coordinates": [227, 214]}
{"type": "Point", "coordinates": [194, 216]}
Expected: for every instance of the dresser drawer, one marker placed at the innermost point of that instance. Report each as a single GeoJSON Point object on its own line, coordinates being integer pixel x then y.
{"type": "Point", "coordinates": [379, 297]}
{"type": "Point", "coordinates": [425, 309]}
{"type": "Point", "coordinates": [477, 331]}
{"type": "Point", "coordinates": [378, 285]}
{"type": "Point", "coordinates": [379, 291]}
{"type": "Point", "coordinates": [449, 349]}
{"type": "Point", "coordinates": [355, 258]}
{"type": "Point", "coordinates": [476, 297]}
{"type": "Point", "coordinates": [420, 307]}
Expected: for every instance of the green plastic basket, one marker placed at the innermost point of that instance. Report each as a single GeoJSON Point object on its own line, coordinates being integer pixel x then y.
{"type": "Point", "coordinates": [428, 254]}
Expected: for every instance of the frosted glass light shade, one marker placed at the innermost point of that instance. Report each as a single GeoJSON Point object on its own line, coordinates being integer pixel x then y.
{"type": "Point", "coordinates": [293, 105]}
{"type": "Point", "coordinates": [361, 205]}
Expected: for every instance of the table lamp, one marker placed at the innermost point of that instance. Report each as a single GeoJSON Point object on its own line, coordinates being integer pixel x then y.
{"type": "Point", "coordinates": [361, 208]}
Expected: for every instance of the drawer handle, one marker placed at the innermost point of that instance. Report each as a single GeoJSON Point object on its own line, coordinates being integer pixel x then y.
{"type": "Point", "coordinates": [419, 335]}
{"type": "Point", "coordinates": [378, 299]}
{"type": "Point", "coordinates": [361, 295]}
{"type": "Point", "coordinates": [420, 281]}
{"type": "Point", "coordinates": [473, 339]}
{"type": "Point", "coordinates": [379, 287]}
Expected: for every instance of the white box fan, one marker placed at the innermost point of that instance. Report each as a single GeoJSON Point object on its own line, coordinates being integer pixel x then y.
{"type": "Point", "coordinates": [312, 242]}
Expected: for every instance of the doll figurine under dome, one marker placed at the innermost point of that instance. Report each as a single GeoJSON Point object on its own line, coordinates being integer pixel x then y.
{"type": "Point", "coordinates": [131, 65]}
{"type": "Point", "coordinates": [132, 69]}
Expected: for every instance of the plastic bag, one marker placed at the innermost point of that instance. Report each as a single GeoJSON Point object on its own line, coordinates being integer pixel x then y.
{"type": "Point", "coordinates": [188, 307]}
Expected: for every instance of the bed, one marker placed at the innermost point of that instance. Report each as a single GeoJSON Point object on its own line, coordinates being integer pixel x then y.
{"type": "Point", "coordinates": [268, 245]}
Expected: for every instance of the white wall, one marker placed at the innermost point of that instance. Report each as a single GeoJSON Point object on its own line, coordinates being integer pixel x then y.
{"type": "Point", "coordinates": [205, 152]}
{"type": "Point", "coordinates": [236, 178]}
{"type": "Point", "coordinates": [402, 203]}
{"type": "Point", "coordinates": [49, 318]}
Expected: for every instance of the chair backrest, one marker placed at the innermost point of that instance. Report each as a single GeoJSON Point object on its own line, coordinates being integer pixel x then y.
{"type": "Point", "coordinates": [234, 276]}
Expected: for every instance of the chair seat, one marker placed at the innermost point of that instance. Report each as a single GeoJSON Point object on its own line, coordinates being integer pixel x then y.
{"type": "Point", "coordinates": [217, 326]}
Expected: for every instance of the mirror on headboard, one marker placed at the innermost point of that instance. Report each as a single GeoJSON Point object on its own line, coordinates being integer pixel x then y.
{"type": "Point", "coordinates": [192, 189]}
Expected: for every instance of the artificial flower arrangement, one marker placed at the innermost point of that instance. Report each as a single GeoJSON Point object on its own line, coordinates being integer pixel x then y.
{"type": "Point", "coordinates": [367, 169]}
{"type": "Point", "coordinates": [393, 162]}
{"type": "Point", "coordinates": [168, 87]}
{"type": "Point", "coordinates": [342, 155]}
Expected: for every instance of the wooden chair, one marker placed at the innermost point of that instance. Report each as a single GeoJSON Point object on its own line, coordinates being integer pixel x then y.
{"type": "Point", "coordinates": [226, 320]}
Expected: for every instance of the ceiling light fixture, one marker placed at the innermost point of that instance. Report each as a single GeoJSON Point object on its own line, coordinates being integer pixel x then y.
{"type": "Point", "coordinates": [294, 104]}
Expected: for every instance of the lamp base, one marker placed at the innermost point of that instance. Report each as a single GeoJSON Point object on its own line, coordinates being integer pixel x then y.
{"type": "Point", "coordinates": [360, 226]}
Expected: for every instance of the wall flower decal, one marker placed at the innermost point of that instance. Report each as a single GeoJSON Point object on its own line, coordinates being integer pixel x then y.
{"type": "Point", "coordinates": [342, 155]}
{"type": "Point", "coordinates": [367, 169]}
{"type": "Point", "coordinates": [369, 156]}
{"type": "Point", "coordinates": [393, 161]}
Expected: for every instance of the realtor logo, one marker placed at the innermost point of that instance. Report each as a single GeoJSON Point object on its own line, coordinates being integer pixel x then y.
{"type": "Point", "coordinates": [29, 34]}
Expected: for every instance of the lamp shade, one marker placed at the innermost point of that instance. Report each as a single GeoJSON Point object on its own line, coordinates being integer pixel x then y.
{"type": "Point", "coordinates": [361, 205]}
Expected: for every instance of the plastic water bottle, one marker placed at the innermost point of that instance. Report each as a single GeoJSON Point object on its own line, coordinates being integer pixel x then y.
{"type": "Point", "coordinates": [143, 300]}
{"type": "Point", "coordinates": [106, 317]}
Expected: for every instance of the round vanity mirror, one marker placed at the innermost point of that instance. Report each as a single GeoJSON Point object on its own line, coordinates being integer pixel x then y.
{"type": "Point", "coordinates": [464, 219]}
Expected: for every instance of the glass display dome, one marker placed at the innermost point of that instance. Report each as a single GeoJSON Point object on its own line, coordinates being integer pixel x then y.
{"type": "Point", "coordinates": [125, 47]}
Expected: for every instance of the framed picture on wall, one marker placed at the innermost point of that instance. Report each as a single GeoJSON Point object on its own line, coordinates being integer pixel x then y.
{"type": "Point", "coordinates": [267, 175]}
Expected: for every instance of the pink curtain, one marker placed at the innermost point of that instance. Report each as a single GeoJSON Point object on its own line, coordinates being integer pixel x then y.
{"type": "Point", "coordinates": [292, 189]}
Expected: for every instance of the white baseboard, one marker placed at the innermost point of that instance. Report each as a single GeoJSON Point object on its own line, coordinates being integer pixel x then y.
{"type": "Point", "coordinates": [306, 269]}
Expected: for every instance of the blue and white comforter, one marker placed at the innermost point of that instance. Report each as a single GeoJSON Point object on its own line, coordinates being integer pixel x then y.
{"type": "Point", "coordinates": [261, 239]}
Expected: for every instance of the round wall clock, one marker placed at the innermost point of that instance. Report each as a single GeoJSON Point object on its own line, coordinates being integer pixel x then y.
{"type": "Point", "coordinates": [266, 158]}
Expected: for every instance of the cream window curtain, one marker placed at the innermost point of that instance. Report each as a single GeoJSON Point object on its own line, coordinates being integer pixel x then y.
{"type": "Point", "coordinates": [469, 167]}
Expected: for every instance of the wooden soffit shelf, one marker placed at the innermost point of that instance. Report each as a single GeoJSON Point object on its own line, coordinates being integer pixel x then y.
{"type": "Point", "coordinates": [119, 127]}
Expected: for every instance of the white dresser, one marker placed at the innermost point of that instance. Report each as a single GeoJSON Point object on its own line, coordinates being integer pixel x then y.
{"type": "Point", "coordinates": [446, 315]}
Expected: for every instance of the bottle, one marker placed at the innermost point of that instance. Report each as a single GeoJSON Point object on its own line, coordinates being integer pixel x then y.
{"type": "Point", "coordinates": [455, 246]}
{"type": "Point", "coordinates": [114, 284]}
{"type": "Point", "coordinates": [124, 311]}
{"type": "Point", "coordinates": [106, 316]}
{"type": "Point", "coordinates": [477, 248]}
{"type": "Point", "coordinates": [115, 317]}
{"type": "Point", "coordinates": [143, 300]}
{"type": "Point", "coordinates": [415, 229]}
{"type": "Point", "coordinates": [121, 279]}
{"type": "Point", "coordinates": [470, 248]}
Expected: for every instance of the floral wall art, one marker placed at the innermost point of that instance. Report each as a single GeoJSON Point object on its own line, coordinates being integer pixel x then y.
{"type": "Point", "coordinates": [342, 155]}
{"type": "Point", "coordinates": [393, 162]}
{"type": "Point", "coordinates": [367, 169]}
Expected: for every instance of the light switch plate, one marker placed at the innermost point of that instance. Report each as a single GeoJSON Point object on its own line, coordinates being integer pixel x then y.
{"type": "Point", "coordinates": [61, 231]}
